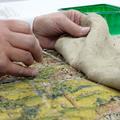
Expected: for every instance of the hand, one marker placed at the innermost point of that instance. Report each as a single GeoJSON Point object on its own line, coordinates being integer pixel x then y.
{"type": "Point", "coordinates": [17, 44]}
{"type": "Point", "coordinates": [48, 28]}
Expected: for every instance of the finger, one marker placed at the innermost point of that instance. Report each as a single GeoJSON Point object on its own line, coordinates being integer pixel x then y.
{"type": "Point", "coordinates": [19, 55]}
{"type": "Point", "coordinates": [28, 43]}
{"type": "Point", "coordinates": [17, 70]}
{"type": "Point", "coordinates": [19, 26]}
{"type": "Point", "coordinates": [74, 15]}
{"type": "Point", "coordinates": [47, 43]}
{"type": "Point", "coordinates": [72, 28]}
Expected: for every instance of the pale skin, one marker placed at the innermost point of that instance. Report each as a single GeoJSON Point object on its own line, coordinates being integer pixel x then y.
{"type": "Point", "coordinates": [18, 43]}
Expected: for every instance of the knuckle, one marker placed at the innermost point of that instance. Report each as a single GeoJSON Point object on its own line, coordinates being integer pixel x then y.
{"type": "Point", "coordinates": [24, 25]}
{"type": "Point", "coordinates": [72, 11]}
{"type": "Point", "coordinates": [59, 17]}
{"type": "Point", "coordinates": [14, 22]}
{"type": "Point", "coordinates": [11, 22]}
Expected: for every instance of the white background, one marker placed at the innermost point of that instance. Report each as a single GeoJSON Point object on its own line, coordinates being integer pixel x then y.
{"type": "Point", "coordinates": [30, 8]}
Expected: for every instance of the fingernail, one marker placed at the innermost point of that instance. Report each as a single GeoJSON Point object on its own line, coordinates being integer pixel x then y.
{"type": "Point", "coordinates": [85, 30]}
{"type": "Point", "coordinates": [34, 72]}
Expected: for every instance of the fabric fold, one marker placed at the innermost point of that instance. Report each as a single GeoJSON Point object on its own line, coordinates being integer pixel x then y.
{"type": "Point", "coordinates": [96, 54]}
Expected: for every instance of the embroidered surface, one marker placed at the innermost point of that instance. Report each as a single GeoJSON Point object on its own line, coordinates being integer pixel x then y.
{"type": "Point", "coordinates": [58, 93]}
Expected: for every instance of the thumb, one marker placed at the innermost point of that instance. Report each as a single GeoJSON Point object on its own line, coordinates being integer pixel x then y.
{"type": "Point", "coordinates": [73, 29]}
{"type": "Point", "coordinates": [18, 70]}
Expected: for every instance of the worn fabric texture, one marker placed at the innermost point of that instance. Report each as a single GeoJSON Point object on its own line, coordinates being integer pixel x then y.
{"type": "Point", "coordinates": [97, 55]}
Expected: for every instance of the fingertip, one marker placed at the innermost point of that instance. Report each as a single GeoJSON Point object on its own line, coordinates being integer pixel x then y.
{"type": "Point", "coordinates": [38, 52]}
{"type": "Point", "coordinates": [39, 59]}
{"type": "Point", "coordinates": [18, 70]}
{"type": "Point", "coordinates": [29, 72]}
{"type": "Point", "coordinates": [84, 30]}
{"type": "Point", "coordinates": [74, 29]}
{"type": "Point", "coordinates": [34, 72]}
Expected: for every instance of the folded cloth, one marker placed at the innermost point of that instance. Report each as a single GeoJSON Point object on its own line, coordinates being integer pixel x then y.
{"type": "Point", "coordinates": [96, 54]}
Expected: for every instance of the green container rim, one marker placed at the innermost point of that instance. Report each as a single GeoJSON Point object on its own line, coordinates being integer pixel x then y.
{"type": "Point", "coordinates": [94, 5]}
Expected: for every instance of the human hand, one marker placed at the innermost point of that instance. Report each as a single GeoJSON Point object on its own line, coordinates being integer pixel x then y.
{"type": "Point", "coordinates": [18, 44]}
{"type": "Point", "coordinates": [48, 28]}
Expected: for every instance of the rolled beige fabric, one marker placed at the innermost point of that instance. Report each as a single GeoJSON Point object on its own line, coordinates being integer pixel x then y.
{"type": "Point", "coordinates": [96, 55]}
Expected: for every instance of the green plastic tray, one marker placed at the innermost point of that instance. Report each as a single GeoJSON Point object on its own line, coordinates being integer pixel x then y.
{"type": "Point", "coordinates": [109, 12]}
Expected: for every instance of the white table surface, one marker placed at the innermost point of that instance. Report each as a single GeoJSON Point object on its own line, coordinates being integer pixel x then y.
{"type": "Point", "coordinates": [30, 8]}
